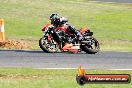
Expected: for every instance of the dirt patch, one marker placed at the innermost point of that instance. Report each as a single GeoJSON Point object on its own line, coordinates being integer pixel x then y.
{"type": "Point", "coordinates": [14, 44]}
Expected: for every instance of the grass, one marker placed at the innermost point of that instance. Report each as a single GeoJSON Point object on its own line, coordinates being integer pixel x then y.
{"type": "Point", "coordinates": [116, 45]}
{"type": "Point", "coordinates": [109, 21]}
{"type": "Point", "coordinates": [38, 78]}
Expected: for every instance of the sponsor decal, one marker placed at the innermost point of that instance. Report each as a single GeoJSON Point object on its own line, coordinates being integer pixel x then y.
{"type": "Point", "coordinates": [83, 78]}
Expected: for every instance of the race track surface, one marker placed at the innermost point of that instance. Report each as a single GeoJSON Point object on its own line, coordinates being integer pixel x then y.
{"type": "Point", "coordinates": [119, 1]}
{"type": "Point", "coordinates": [39, 59]}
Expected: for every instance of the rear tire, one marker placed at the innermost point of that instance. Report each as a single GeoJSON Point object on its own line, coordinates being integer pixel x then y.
{"type": "Point", "coordinates": [89, 49]}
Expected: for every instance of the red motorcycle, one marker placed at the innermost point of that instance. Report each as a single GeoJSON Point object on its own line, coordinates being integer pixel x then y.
{"type": "Point", "coordinates": [55, 39]}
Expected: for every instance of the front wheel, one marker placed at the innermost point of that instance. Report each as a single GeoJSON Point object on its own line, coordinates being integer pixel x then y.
{"type": "Point", "coordinates": [48, 46]}
{"type": "Point", "coordinates": [90, 47]}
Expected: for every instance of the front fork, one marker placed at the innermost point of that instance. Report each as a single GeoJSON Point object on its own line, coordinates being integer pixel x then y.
{"type": "Point", "coordinates": [53, 38]}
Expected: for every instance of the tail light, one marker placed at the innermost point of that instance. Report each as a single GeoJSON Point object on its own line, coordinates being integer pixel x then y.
{"type": "Point", "coordinates": [84, 30]}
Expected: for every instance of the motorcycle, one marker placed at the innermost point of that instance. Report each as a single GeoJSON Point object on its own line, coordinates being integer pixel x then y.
{"type": "Point", "coordinates": [54, 39]}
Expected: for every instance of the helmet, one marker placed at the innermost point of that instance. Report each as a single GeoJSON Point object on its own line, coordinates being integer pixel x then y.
{"type": "Point", "coordinates": [55, 19]}
{"type": "Point", "coordinates": [53, 16]}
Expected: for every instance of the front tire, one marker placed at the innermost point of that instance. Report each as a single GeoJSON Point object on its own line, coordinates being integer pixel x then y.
{"type": "Point", "coordinates": [47, 46]}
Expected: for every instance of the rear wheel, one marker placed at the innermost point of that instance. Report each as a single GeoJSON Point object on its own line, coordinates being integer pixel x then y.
{"type": "Point", "coordinates": [91, 46]}
{"type": "Point", "coordinates": [48, 46]}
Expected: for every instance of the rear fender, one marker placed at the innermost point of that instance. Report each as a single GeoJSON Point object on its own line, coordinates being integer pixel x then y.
{"type": "Point", "coordinates": [84, 30]}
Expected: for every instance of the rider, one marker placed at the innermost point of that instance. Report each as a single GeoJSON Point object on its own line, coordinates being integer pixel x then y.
{"type": "Point", "coordinates": [57, 21]}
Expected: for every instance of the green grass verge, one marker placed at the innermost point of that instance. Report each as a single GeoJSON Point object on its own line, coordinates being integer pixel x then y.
{"type": "Point", "coordinates": [36, 78]}
{"type": "Point", "coordinates": [108, 21]}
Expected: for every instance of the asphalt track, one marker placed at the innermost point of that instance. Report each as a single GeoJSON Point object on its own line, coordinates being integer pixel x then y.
{"type": "Point", "coordinates": [39, 59]}
{"type": "Point", "coordinates": [119, 1]}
